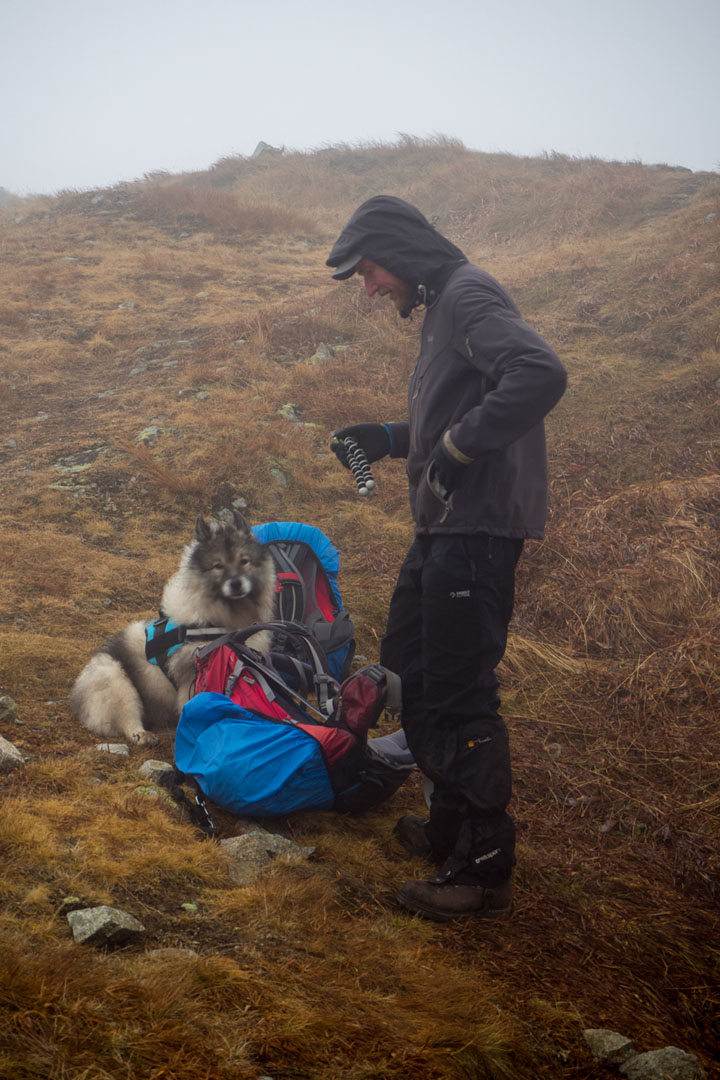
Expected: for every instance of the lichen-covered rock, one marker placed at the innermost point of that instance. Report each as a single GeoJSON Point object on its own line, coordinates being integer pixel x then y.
{"type": "Point", "coordinates": [669, 1063]}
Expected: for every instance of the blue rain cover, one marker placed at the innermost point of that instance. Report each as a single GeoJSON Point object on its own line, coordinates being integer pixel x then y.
{"type": "Point", "coordinates": [326, 552]}
{"type": "Point", "coordinates": [247, 764]}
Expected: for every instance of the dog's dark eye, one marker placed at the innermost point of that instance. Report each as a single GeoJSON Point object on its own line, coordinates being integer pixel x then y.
{"type": "Point", "coordinates": [217, 566]}
{"type": "Point", "coordinates": [244, 562]}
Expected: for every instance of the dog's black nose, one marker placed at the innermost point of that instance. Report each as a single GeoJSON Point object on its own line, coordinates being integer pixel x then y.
{"type": "Point", "coordinates": [235, 587]}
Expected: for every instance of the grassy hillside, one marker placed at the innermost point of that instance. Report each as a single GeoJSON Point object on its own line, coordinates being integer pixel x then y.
{"type": "Point", "coordinates": [174, 344]}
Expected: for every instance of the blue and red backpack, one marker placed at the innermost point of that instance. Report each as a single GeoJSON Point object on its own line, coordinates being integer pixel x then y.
{"type": "Point", "coordinates": [307, 566]}
{"type": "Point", "coordinates": [256, 745]}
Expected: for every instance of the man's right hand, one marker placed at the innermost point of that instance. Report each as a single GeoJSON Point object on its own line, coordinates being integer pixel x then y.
{"type": "Point", "coordinates": [373, 440]}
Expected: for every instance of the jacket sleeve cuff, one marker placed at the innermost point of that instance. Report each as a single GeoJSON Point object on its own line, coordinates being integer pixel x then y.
{"type": "Point", "coordinates": [399, 435]}
{"type": "Point", "coordinates": [453, 451]}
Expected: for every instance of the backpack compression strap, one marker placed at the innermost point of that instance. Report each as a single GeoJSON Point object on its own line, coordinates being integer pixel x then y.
{"type": "Point", "coordinates": [325, 686]}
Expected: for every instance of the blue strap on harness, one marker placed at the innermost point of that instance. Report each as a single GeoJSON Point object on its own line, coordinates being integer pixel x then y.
{"type": "Point", "coordinates": [162, 638]}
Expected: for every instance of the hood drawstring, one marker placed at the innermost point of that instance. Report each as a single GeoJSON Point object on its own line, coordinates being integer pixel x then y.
{"type": "Point", "coordinates": [420, 301]}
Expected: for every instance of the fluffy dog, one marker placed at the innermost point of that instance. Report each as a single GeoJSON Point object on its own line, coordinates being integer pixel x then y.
{"type": "Point", "coordinates": [226, 579]}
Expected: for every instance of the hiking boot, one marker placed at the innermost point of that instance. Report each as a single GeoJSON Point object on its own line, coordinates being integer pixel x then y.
{"type": "Point", "coordinates": [412, 834]}
{"type": "Point", "coordinates": [450, 901]}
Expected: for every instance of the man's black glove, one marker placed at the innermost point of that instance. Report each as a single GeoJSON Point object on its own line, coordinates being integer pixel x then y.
{"type": "Point", "coordinates": [373, 440]}
{"type": "Point", "coordinates": [445, 473]}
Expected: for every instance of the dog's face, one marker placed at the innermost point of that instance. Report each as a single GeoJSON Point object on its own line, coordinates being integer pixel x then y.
{"type": "Point", "coordinates": [232, 562]}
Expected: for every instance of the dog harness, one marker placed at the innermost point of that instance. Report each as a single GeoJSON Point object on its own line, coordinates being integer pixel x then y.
{"type": "Point", "coordinates": [164, 637]}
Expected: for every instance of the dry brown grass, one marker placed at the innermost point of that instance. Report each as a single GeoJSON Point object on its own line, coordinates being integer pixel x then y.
{"type": "Point", "coordinates": [172, 358]}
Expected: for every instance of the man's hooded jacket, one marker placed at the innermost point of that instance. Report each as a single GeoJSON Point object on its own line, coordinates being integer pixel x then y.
{"type": "Point", "coordinates": [482, 374]}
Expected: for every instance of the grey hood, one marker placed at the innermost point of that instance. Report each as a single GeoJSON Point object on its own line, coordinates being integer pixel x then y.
{"type": "Point", "coordinates": [396, 236]}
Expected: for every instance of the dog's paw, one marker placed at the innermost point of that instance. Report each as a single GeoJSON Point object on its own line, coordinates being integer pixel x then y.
{"type": "Point", "coordinates": [143, 738]}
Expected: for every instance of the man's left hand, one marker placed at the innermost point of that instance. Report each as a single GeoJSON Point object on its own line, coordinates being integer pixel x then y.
{"type": "Point", "coordinates": [446, 473]}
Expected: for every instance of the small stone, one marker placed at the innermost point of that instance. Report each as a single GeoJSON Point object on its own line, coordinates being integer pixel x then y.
{"type": "Point", "coordinates": [8, 710]}
{"type": "Point", "coordinates": [113, 748]}
{"type": "Point", "coordinates": [251, 852]}
{"type": "Point", "coordinates": [149, 434]}
{"type": "Point", "coordinates": [152, 791]}
{"type": "Point", "coordinates": [10, 756]}
{"type": "Point", "coordinates": [321, 355]}
{"type": "Point", "coordinates": [554, 749]}
{"type": "Point", "coordinates": [278, 476]}
{"type": "Point", "coordinates": [609, 1046]}
{"type": "Point", "coordinates": [158, 772]}
{"type": "Point", "coordinates": [103, 926]}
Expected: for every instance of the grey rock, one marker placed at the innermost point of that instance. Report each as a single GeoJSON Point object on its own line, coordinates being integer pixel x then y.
{"type": "Point", "coordinates": [252, 851]}
{"type": "Point", "coordinates": [278, 476]}
{"type": "Point", "coordinates": [154, 791]}
{"type": "Point", "coordinates": [97, 199]}
{"type": "Point", "coordinates": [265, 148]}
{"type": "Point", "coordinates": [609, 1046]}
{"type": "Point", "coordinates": [669, 1063]}
{"type": "Point", "coordinates": [321, 355]}
{"type": "Point", "coordinates": [8, 709]}
{"type": "Point", "coordinates": [290, 411]}
{"type": "Point", "coordinates": [11, 444]}
{"type": "Point", "coordinates": [710, 218]}
{"type": "Point", "coordinates": [157, 772]}
{"type": "Point", "coordinates": [113, 748]}
{"type": "Point", "coordinates": [139, 369]}
{"type": "Point", "coordinates": [10, 756]}
{"type": "Point", "coordinates": [80, 461]}
{"type": "Point", "coordinates": [104, 926]}
{"type": "Point", "coordinates": [149, 434]}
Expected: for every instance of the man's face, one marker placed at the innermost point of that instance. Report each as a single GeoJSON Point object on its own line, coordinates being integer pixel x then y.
{"type": "Point", "coordinates": [381, 282]}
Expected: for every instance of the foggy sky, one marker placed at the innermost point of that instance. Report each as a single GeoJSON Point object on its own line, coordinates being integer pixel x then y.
{"type": "Point", "coordinates": [94, 93]}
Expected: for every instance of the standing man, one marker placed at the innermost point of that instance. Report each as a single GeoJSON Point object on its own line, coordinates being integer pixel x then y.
{"type": "Point", "coordinates": [475, 447]}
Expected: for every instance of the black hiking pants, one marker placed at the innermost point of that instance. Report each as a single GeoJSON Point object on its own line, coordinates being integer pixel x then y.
{"type": "Point", "coordinates": [446, 634]}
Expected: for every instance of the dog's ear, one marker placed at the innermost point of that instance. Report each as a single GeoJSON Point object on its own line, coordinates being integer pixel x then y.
{"type": "Point", "coordinates": [203, 531]}
{"type": "Point", "coordinates": [240, 523]}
